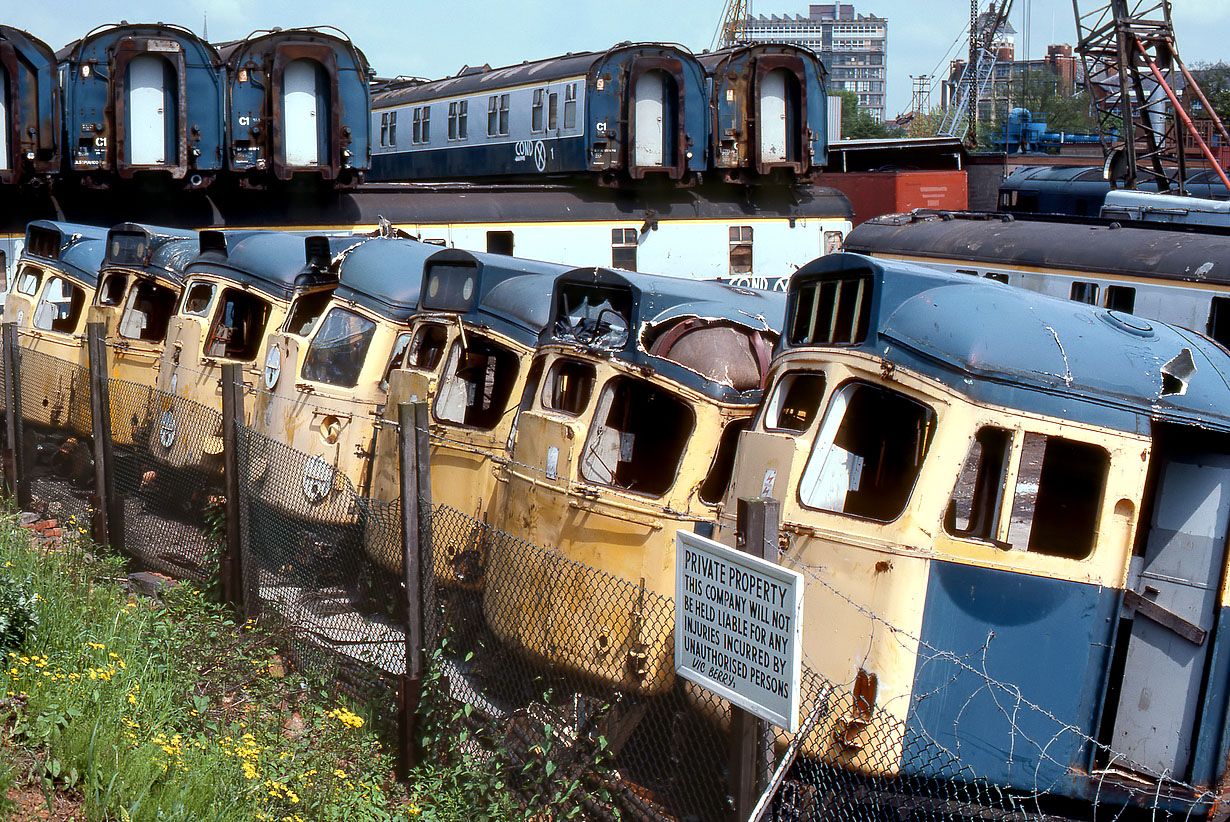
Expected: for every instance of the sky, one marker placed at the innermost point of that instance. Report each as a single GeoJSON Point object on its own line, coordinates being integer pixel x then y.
{"type": "Point", "coordinates": [436, 39]}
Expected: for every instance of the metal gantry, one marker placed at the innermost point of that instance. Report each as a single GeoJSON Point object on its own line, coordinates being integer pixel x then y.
{"type": "Point", "coordinates": [961, 116]}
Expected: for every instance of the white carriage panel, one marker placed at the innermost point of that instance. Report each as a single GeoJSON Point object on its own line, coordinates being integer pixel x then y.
{"type": "Point", "coordinates": [147, 111]}
{"type": "Point", "coordinates": [649, 107]}
{"type": "Point", "coordinates": [300, 129]}
{"type": "Point", "coordinates": [773, 117]}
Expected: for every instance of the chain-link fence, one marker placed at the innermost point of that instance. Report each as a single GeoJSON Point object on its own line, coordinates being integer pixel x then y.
{"type": "Point", "coordinates": [578, 714]}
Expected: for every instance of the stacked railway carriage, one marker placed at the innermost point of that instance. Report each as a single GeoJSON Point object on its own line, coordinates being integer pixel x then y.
{"type": "Point", "coordinates": [142, 99]}
{"type": "Point", "coordinates": [57, 275]}
{"type": "Point", "coordinates": [298, 104]}
{"type": "Point", "coordinates": [323, 385]}
{"type": "Point", "coordinates": [29, 108]}
{"type": "Point", "coordinates": [984, 486]}
{"type": "Point", "coordinates": [1175, 273]}
{"type": "Point", "coordinates": [140, 283]}
{"type": "Point", "coordinates": [626, 433]}
{"type": "Point", "coordinates": [469, 355]}
{"type": "Point", "coordinates": [768, 113]}
{"type": "Point", "coordinates": [627, 113]}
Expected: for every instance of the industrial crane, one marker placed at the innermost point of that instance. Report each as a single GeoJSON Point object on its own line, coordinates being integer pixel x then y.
{"type": "Point", "coordinates": [734, 12]}
{"type": "Point", "coordinates": [961, 117]}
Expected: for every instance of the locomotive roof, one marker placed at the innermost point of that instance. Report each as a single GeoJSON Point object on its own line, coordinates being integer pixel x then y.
{"type": "Point", "coordinates": [269, 261]}
{"type": "Point", "coordinates": [1168, 251]}
{"type": "Point", "coordinates": [154, 250]}
{"type": "Point", "coordinates": [233, 50]}
{"type": "Point", "coordinates": [112, 32]}
{"type": "Point", "coordinates": [383, 274]}
{"type": "Point", "coordinates": [78, 250]}
{"type": "Point", "coordinates": [529, 72]}
{"type": "Point", "coordinates": [1033, 352]}
{"type": "Point", "coordinates": [713, 59]}
{"type": "Point", "coordinates": [28, 44]}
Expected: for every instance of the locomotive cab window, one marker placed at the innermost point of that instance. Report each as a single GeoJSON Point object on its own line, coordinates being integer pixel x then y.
{"type": "Point", "coordinates": [427, 348]}
{"type": "Point", "coordinates": [1058, 493]}
{"type": "Point", "coordinates": [476, 384]}
{"type": "Point", "coordinates": [60, 306]}
{"type": "Point", "coordinates": [868, 452]}
{"type": "Point", "coordinates": [305, 311]}
{"type": "Point", "coordinates": [238, 327]}
{"type": "Point", "coordinates": [28, 280]}
{"type": "Point", "coordinates": [395, 359]}
{"type": "Point", "coordinates": [338, 350]}
{"type": "Point", "coordinates": [713, 489]}
{"type": "Point", "coordinates": [148, 311]}
{"type": "Point", "coordinates": [973, 509]}
{"type": "Point", "coordinates": [197, 299]}
{"type": "Point", "coordinates": [795, 401]}
{"type": "Point", "coordinates": [637, 438]}
{"type": "Point", "coordinates": [568, 386]}
{"type": "Point", "coordinates": [112, 290]}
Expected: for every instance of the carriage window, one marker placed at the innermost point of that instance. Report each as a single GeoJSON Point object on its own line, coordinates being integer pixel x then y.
{"type": "Point", "coordinates": [637, 438]}
{"type": "Point", "coordinates": [1085, 293]}
{"type": "Point", "coordinates": [428, 347]}
{"type": "Point", "coordinates": [500, 242]}
{"type": "Point", "coordinates": [238, 327]}
{"type": "Point", "coordinates": [973, 510]}
{"type": "Point", "coordinates": [1219, 320]}
{"type": "Point", "coordinates": [568, 386]}
{"type": "Point", "coordinates": [477, 384]}
{"type": "Point", "coordinates": [497, 115]}
{"type": "Point", "coordinates": [392, 128]}
{"type": "Point", "coordinates": [198, 298]}
{"type": "Point", "coordinates": [740, 249]}
{"type": "Point", "coordinates": [457, 128]}
{"type": "Point", "coordinates": [868, 452]}
{"type": "Point", "coordinates": [339, 348]}
{"type": "Point", "coordinates": [1058, 492]}
{"type": "Point", "coordinates": [112, 291]}
{"type": "Point", "coordinates": [536, 111]}
{"type": "Point", "coordinates": [28, 280]}
{"type": "Point", "coordinates": [795, 402]}
{"type": "Point", "coordinates": [421, 128]}
{"type": "Point", "coordinates": [60, 307]}
{"type": "Point", "coordinates": [384, 128]}
{"type": "Point", "coordinates": [399, 351]}
{"type": "Point", "coordinates": [1120, 298]}
{"type": "Point", "coordinates": [623, 248]}
{"type": "Point", "coordinates": [713, 489]}
{"type": "Point", "coordinates": [148, 311]}
{"type": "Point", "coordinates": [553, 111]}
{"type": "Point", "coordinates": [570, 105]}
{"type": "Point", "coordinates": [305, 311]}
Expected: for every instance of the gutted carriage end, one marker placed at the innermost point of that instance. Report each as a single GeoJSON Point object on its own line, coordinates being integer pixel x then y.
{"type": "Point", "coordinates": [299, 105]}
{"type": "Point", "coordinates": [768, 111]}
{"type": "Point", "coordinates": [143, 100]}
{"type": "Point", "coordinates": [625, 433]}
{"type": "Point", "coordinates": [30, 113]}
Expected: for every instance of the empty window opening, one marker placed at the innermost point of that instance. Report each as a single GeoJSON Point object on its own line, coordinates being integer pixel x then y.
{"type": "Point", "coordinates": [1121, 298]}
{"type": "Point", "coordinates": [713, 489]}
{"type": "Point", "coordinates": [305, 311]}
{"type": "Point", "coordinates": [999, 278]}
{"type": "Point", "coordinates": [395, 360]}
{"type": "Point", "coordinates": [868, 452]}
{"type": "Point", "coordinates": [60, 306]}
{"type": "Point", "coordinates": [638, 437]}
{"type": "Point", "coordinates": [28, 280]}
{"type": "Point", "coordinates": [239, 326]}
{"type": "Point", "coordinates": [740, 249]}
{"type": "Point", "coordinates": [148, 311]}
{"type": "Point", "coordinates": [338, 350]}
{"type": "Point", "coordinates": [500, 242]}
{"type": "Point", "coordinates": [593, 314]}
{"type": "Point", "coordinates": [1057, 496]}
{"type": "Point", "coordinates": [112, 291]}
{"type": "Point", "coordinates": [973, 509]}
{"type": "Point", "coordinates": [1083, 292]}
{"type": "Point", "coordinates": [427, 349]}
{"type": "Point", "coordinates": [568, 386]}
{"type": "Point", "coordinates": [1219, 320]}
{"type": "Point", "coordinates": [832, 311]}
{"type": "Point", "coordinates": [477, 384]}
{"type": "Point", "coordinates": [795, 401]}
{"type": "Point", "coordinates": [198, 298]}
{"type": "Point", "coordinates": [623, 248]}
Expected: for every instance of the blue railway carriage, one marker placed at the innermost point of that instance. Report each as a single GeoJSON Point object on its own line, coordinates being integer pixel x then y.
{"type": "Point", "coordinates": [298, 104]}
{"type": "Point", "coordinates": [1011, 518]}
{"type": "Point", "coordinates": [629, 112]}
{"type": "Point", "coordinates": [142, 98]}
{"type": "Point", "coordinates": [29, 108]}
{"type": "Point", "coordinates": [769, 112]}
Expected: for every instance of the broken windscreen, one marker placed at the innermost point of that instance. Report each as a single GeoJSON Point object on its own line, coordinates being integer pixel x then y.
{"type": "Point", "coordinates": [339, 348]}
{"type": "Point", "coordinates": [593, 315]}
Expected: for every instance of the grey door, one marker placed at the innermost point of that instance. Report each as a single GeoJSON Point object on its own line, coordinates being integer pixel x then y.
{"type": "Point", "coordinates": [1173, 604]}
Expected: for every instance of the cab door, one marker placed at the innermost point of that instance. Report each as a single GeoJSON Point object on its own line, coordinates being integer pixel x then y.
{"type": "Point", "coordinates": [300, 128]}
{"type": "Point", "coordinates": [649, 130]}
{"type": "Point", "coordinates": [147, 111]}
{"type": "Point", "coordinates": [5, 126]}
{"type": "Point", "coordinates": [772, 117]}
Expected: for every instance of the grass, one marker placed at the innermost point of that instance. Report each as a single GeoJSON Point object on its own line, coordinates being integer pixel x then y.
{"type": "Point", "coordinates": [174, 710]}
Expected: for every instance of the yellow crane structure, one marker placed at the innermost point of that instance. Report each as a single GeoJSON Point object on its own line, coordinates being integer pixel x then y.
{"type": "Point", "coordinates": [730, 26]}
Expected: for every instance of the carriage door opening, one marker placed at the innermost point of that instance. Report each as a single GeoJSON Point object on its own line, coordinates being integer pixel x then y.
{"type": "Point", "coordinates": [150, 130]}
{"type": "Point", "coordinates": [774, 134]}
{"type": "Point", "coordinates": [1172, 600]}
{"type": "Point", "coordinates": [300, 97]}
{"type": "Point", "coordinates": [651, 128]}
{"type": "Point", "coordinates": [5, 125]}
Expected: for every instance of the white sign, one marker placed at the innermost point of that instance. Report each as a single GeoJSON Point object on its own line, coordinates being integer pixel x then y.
{"type": "Point", "coordinates": [737, 627]}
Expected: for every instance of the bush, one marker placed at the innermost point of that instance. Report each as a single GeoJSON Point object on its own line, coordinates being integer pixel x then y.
{"type": "Point", "coordinates": [17, 615]}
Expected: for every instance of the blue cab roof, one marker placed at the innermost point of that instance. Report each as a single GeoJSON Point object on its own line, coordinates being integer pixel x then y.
{"type": "Point", "coordinates": [73, 248]}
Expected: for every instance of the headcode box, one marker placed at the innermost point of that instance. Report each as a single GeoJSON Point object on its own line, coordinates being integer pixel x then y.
{"type": "Point", "coordinates": [737, 627]}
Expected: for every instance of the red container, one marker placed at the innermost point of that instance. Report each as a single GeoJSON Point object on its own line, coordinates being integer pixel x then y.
{"type": "Point", "coordinates": [873, 193]}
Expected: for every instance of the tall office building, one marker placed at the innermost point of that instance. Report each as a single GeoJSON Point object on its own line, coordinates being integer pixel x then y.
{"type": "Point", "coordinates": [853, 47]}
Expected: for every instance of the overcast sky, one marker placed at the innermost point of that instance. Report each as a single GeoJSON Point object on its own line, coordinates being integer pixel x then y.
{"type": "Point", "coordinates": [435, 39]}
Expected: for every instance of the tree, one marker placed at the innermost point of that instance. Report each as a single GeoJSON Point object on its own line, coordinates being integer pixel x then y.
{"type": "Point", "coordinates": [1214, 80]}
{"type": "Point", "coordinates": [857, 122]}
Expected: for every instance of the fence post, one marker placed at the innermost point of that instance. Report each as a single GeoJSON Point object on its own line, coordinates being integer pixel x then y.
{"type": "Point", "coordinates": [108, 513]}
{"type": "Point", "coordinates": [16, 458]}
{"type": "Point", "coordinates": [10, 426]}
{"type": "Point", "coordinates": [230, 563]}
{"type": "Point", "coordinates": [751, 739]}
{"type": "Point", "coordinates": [414, 465]}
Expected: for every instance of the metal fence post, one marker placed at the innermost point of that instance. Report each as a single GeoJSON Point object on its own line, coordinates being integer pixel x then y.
{"type": "Point", "coordinates": [108, 513]}
{"type": "Point", "coordinates": [19, 481]}
{"type": "Point", "coordinates": [751, 739]}
{"type": "Point", "coordinates": [230, 564]}
{"type": "Point", "coordinates": [414, 465]}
